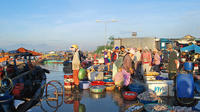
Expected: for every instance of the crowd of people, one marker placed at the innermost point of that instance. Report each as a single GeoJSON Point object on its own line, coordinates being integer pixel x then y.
{"type": "Point", "coordinates": [130, 63]}
{"type": "Point", "coordinates": [133, 63]}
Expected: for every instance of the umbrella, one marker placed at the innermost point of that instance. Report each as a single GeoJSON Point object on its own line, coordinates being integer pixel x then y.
{"type": "Point", "coordinates": [190, 48]}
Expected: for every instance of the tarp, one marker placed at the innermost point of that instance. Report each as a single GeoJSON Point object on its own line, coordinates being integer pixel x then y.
{"type": "Point", "coordinates": [23, 50]}
{"type": "Point", "coordinates": [190, 48]}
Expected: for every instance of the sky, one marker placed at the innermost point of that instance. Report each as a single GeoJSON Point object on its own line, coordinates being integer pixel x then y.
{"type": "Point", "coordinates": [56, 24]}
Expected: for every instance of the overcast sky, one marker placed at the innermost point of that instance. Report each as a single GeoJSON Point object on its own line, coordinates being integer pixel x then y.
{"type": "Point", "coordinates": [56, 24]}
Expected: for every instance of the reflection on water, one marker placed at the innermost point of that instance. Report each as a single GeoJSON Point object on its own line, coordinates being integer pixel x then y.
{"type": "Point", "coordinates": [83, 101]}
{"type": "Point", "coordinates": [97, 96]}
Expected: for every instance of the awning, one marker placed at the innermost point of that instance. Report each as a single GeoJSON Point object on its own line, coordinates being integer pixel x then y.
{"type": "Point", "coordinates": [190, 48]}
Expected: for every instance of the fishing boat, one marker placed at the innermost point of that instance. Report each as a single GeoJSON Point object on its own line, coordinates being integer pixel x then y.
{"type": "Point", "coordinates": [24, 81]}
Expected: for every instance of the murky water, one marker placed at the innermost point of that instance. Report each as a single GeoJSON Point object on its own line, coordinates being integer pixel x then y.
{"type": "Point", "coordinates": [83, 101]}
{"type": "Point", "coordinates": [80, 101]}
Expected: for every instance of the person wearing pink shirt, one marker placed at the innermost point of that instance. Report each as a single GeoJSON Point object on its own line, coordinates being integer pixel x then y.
{"type": "Point", "coordinates": [156, 61]}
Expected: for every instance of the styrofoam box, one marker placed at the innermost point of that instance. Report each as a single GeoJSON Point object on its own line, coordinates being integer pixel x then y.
{"type": "Point", "coordinates": [93, 76]}
{"type": "Point", "coordinates": [164, 74]}
{"type": "Point", "coordinates": [149, 78]}
{"type": "Point", "coordinates": [161, 87]}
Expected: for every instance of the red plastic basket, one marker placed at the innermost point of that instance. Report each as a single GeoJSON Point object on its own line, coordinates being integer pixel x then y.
{"type": "Point", "coordinates": [68, 76]}
{"type": "Point", "coordinates": [129, 95]}
{"type": "Point", "coordinates": [97, 83]}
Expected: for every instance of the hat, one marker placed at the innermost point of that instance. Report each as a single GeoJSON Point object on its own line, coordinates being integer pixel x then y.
{"type": "Point", "coordinates": [169, 46]}
{"type": "Point", "coordinates": [75, 46]}
{"type": "Point", "coordinates": [155, 50]}
{"type": "Point", "coordinates": [122, 47]}
{"type": "Point", "coordinates": [146, 48]}
{"type": "Point", "coordinates": [116, 47]}
{"type": "Point", "coordinates": [101, 60]}
{"type": "Point", "coordinates": [132, 51]}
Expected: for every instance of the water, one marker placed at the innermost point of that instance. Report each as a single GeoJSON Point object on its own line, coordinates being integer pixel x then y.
{"type": "Point", "coordinates": [82, 101]}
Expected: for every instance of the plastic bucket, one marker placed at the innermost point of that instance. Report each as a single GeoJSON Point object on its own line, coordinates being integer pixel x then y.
{"type": "Point", "coordinates": [7, 103]}
{"type": "Point", "coordinates": [136, 88]}
{"type": "Point", "coordinates": [68, 78]}
{"type": "Point", "coordinates": [188, 66]}
{"type": "Point", "coordinates": [129, 95]}
{"type": "Point", "coordinates": [185, 86]}
{"type": "Point", "coordinates": [84, 84]}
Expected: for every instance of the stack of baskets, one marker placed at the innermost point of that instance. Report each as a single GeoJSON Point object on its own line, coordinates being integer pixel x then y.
{"type": "Point", "coordinates": [110, 85]}
{"type": "Point", "coordinates": [68, 82]}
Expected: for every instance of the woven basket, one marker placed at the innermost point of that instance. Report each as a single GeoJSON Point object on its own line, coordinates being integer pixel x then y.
{"type": "Point", "coordinates": [136, 104]}
{"type": "Point", "coordinates": [110, 88]}
{"type": "Point", "coordinates": [97, 89]}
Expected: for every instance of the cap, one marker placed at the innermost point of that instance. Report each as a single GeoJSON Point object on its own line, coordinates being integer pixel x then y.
{"type": "Point", "coordinates": [169, 46]}
{"type": "Point", "coordinates": [75, 46]}
{"type": "Point", "coordinates": [132, 51]}
{"type": "Point", "coordinates": [155, 50]}
{"type": "Point", "coordinates": [116, 47]}
{"type": "Point", "coordinates": [122, 47]}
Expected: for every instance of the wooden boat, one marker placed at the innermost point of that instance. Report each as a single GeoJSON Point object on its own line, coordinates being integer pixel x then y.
{"type": "Point", "coordinates": [21, 82]}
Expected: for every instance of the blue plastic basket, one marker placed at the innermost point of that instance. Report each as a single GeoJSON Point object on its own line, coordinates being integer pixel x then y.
{"type": "Point", "coordinates": [147, 102]}
{"type": "Point", "coordinates": [136, 88]}
{"type": "Point", "coordinates": [108, 80]}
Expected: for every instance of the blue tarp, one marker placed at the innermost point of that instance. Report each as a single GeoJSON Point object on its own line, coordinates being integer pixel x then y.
{"type": "Point", "coordinates": [13, 51]}
{"type": "Point", "coordinates": [190, 48]}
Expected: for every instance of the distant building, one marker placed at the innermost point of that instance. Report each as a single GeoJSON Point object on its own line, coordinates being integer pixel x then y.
{"type": "Point", "coordinates": [137, 42]}
{"type": "Point", "coordinates": [153, 42]}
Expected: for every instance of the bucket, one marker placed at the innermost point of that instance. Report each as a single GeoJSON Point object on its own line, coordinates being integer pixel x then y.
{"type": "Point", "coordinates": [7, 103]}
{"type": "Point", "coordinates": [136, 88]}
{"type": "Point", "coordinates": [129, 95]}
{"type": "Point", "coordinates": [185, 86]}
{"type": "Point", "coordinates": [84, 84]}
{"type": "Point", "coordinates": [68, 78]}
{"type": "Point", "coordinates": [97, 89]}
{"type": "Point", "coordinates": [188, 66]}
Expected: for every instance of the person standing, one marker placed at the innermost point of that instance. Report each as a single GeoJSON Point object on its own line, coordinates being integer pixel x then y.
{"type": "Point", "coordinates": [76, 64]}
{"type": "Point", "coordinates": [138, 57]}
{"type": "Point", "coordinates": [117, 60]}
{"type": "Point", "coordinates": [156, 61]}
{"type": "Point", "coordinates": [127, 69]}
{"type": "Point", "coordinates": [173, 62]}
{"type": "Point", "coordinates": [115, 54]}
{"type": "Point", "coordinates": [146, 60]}
{"type": "Point", "coordinates": [122, 52]}
{"type": "Point", "coordinates": [138, 64]}
{"type": "Point", "coordinates": [106, 56]}
{"type": "Point", "coordinates": [109, 55]}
